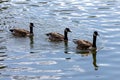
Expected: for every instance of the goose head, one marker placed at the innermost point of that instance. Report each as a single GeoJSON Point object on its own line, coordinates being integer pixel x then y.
{"type": "Point", "coordinates": [96, 33]}
{"type": "Point", "coordinates": [67, 30]}
{"type": "Point", "coordinates": [31, 28]}
{"type": "Point", "coordinates": [31, 25]}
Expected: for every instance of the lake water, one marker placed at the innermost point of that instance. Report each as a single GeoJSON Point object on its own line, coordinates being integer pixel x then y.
{"type": "Point", "coordinates": [36, 58]}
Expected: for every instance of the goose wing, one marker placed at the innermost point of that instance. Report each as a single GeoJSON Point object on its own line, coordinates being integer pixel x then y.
{"type": "Point", "coordinates": [82, 42]}
{"type": "Point", "coordinates": [87, 43]}
{"type": "Point", "coordinates": [19, 32]}
{"type": "Point", "coordinates": [54, 36]}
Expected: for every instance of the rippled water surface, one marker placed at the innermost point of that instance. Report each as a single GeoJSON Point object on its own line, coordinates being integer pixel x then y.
{"type": "Point", "coordinates": [36, 58]}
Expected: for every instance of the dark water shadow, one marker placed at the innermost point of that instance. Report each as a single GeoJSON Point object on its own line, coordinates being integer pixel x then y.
{"type": "Point", "coordinates": [5, 7]}
{"type": "Point", "coordinates": [3, 56]}
{"type": "Point", "coordinates": [1, 1]}
{"type": "Point", "coordinates": [2, 66]}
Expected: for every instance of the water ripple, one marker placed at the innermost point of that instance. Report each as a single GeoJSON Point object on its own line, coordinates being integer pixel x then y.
{"type": "Point", "coordinates": [43, 77]}
{"type": "Point", "coordinates": [38, 63]}
{"type": "Point", "coordinates": [38, 58]}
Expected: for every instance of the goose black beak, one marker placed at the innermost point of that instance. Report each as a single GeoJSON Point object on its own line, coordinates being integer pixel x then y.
{"type": "Point", "coordinates": [70, 31]}
{"type": "Point", "coordinates": [98, 35]}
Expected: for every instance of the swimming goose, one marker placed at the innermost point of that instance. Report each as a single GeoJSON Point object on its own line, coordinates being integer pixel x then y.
{"type": "Point", "coordinates": [83, 44]}
{"type": "Point", "coordinates": [54, 36]}
{"type": "Point", "coordinates": [23, 32]}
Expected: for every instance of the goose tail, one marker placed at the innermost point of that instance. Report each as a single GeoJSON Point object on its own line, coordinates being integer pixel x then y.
{"type": "Point", "coordinates": [75, 41]}
{"type": "Point", "coordinates": [47, 34]}
{"type": "Point", "coordinates": [11, 30]}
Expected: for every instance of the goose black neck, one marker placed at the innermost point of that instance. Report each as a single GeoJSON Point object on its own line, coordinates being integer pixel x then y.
{"type": "Point", "coordinates": [94, 41]}
{"type": "Point", "coordinates": [31, 30]}
{"type": "Point", "coordinates": [65, 35]}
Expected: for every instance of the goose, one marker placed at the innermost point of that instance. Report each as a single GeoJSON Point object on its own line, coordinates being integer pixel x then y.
{"type": "Point", "coordinates": [54, 36]}
{"type": "Point", "coordinates": [84, 44]}
{"type": "Point", "coordinates": [23, 32]}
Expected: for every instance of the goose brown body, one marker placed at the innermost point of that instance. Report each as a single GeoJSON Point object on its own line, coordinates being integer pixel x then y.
{"type": "Point", "coordinates": [84, 44]}
{"type": "Point", "coordinates": [22, 32]}
{"type": "Point", "coordinates": [54, 36]}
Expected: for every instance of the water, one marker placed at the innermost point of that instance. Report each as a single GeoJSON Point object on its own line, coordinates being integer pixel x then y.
{"type": "Point", "coordinates": [38, 59]}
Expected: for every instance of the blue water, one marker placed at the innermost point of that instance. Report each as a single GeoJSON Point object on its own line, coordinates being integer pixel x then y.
{"type": "Point", "coordinates": [38, 59]}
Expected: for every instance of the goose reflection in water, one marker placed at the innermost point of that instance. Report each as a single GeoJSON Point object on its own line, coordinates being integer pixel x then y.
{"type": "Point", "coordinates": [66, 47]}
{"type": "Point", "coordinates": [31, 41]}
{"type": "Point", "coordinates": [90, 52]}
{"type": "Point", "coordinates": [94, 53]}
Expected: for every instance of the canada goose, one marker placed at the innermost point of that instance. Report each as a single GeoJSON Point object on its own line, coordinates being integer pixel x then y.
{"type": "Point", "coordinates": [54, 36]}
{"type": "Point", "coordinates": [23, 32]}
{"type": "Point", "coordinates": [83, 44]}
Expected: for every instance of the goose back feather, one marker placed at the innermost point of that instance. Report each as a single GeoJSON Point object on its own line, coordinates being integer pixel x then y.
{"type": "Point", "coordinates": [54, 36]}
{"type": "Point", "coordinates": [82, 44]}
{"type": "Point", "coordinates": [20, 32]}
